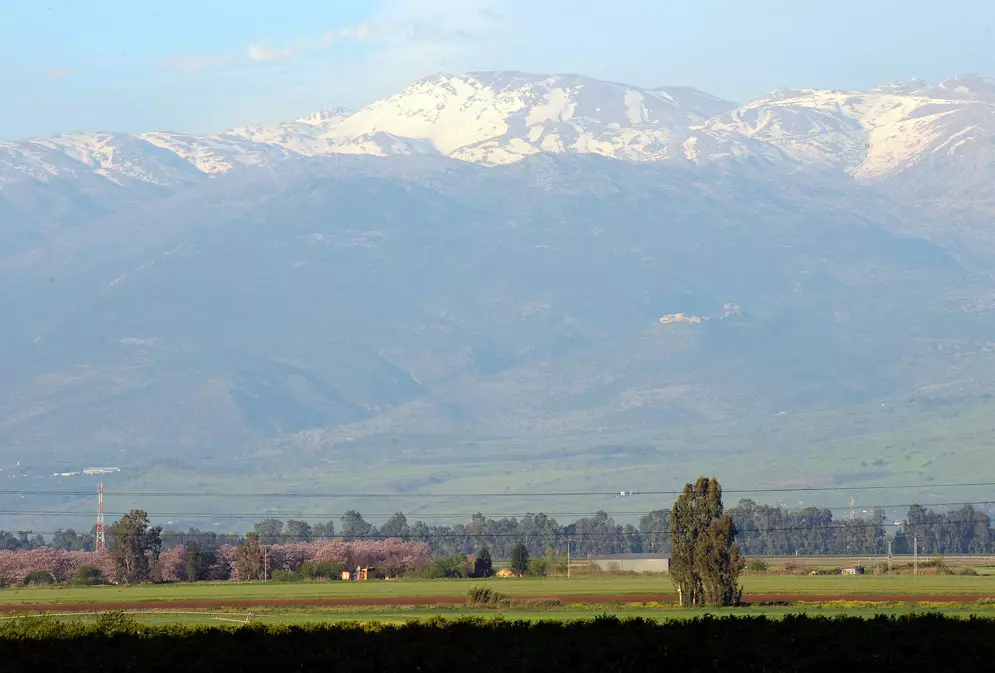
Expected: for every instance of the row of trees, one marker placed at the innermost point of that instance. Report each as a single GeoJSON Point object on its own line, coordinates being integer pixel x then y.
{"type": "Point", "coordinates": [957, 531]}
{"type": "Point", "coordinates": [761, 530]}
{"type": "Point", "coordinates": [775, 531]}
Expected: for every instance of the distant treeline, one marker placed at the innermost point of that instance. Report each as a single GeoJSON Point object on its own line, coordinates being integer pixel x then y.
{"type": "Point", "coordinates": [762, 530]}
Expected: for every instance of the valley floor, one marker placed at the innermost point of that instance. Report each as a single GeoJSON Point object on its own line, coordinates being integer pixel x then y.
{"type": "Point", "coordinates": [558, 598]}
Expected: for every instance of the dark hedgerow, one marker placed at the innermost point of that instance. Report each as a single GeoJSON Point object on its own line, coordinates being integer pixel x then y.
{"type": "Point", "coordinates": [605, 644]}
{"type": "Point", "coordinates": [39, 577]}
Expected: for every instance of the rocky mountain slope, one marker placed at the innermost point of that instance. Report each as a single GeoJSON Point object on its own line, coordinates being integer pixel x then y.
{"type": "Point", "coordinates": [499, 118]}
{"type": "Point", "coordinates": [486, 259]}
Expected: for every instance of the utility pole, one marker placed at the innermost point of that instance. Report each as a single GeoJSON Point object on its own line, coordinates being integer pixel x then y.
{"type": "Point", "coordinates": [265, 564]}
{"type": "Point", "coordinates": [568, 558]}
{"type": "Point", "coordinates": [915, 554]}
{"type": "Point", "coordinates": [889, 555]}
{"type": "Point", "coordinates": [101, 542]}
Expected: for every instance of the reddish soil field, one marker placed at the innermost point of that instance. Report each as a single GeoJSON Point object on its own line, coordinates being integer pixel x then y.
{"type": "Point", "coordinates": [754, 599]}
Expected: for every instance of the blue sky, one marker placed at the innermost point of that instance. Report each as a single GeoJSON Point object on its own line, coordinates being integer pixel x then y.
{"type": "Point", "coordinates": [208, 65]}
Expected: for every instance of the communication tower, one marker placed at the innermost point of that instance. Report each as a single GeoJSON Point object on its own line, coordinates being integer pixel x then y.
{"type": "Point", "coordinates": [101, 541]}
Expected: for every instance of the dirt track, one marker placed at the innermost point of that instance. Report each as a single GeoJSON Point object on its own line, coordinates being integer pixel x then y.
{"type": "Point", "coordinates": [456, 600]}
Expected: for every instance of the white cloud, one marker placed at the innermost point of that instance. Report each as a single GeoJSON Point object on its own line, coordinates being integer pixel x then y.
{"type": "Point", "coordinates": [57, 72]}
{"type": "Point", "coordinates": [419, 24]}
{"type": "Point", "coordinates": [261, 51]}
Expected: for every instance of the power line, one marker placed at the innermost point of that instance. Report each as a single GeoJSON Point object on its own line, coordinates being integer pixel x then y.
{"type": "Point", "coordinates": [857, 526]}
{"type": "Point", "coordinates": [326, 516]}
{"type": "Point", "coordinates": [525, 494]}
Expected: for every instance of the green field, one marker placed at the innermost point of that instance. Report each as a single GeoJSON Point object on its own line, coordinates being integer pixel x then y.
{"type": "Point", "coordinates": [568, 612]}
{"type": "Point", "coordinates": [578, 587]}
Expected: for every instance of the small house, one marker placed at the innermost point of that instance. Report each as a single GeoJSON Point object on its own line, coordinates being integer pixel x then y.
{"type": "Point", "coordinates": [853, 570]}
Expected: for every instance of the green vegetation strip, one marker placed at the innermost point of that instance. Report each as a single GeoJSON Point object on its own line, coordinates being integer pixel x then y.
{"type": "Point", "coordinates": [519, 610]}
{"type": "Point", "coordinates": [791, 585]}
{"type": "Point", "coordinates": [796, 643]}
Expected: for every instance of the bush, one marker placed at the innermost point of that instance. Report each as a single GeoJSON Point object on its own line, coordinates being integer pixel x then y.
{"type": "Point", "coordinates": [534, 604]}
{"type": "Point", "coordinates": [538, 567]}
{"type": "Point", "coordinates": [116, 621]}
{"type": "Point", "coordinates": [39, 577]}
{"type": "Point", "coordinates": [284, 576]}
{"type": "Point", "coordinates": [757, 565]}
{"type": "Point", "coordinates": [88, 575]}
{"type": "Point", "coordinates": [447, 567]}
{"type": "Point", "coordinates": [479, 597]}
{"type": "Point", "coordinates": [321, 571]}
{"type": "Point", "coordinates": [965, 571]}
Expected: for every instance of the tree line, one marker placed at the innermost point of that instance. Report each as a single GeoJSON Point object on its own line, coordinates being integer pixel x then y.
{"type": "Point", "coordinates": [761, 530]}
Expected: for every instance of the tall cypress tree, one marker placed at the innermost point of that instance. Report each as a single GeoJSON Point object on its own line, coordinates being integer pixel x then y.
{"type": "Point", "coordinates": [249, 558]}
{"type": "Point", "coordinates": [483, 566]}
{"type": "Point", "coordinates": [519, 559]}
{"type": "Point", "coordinates": [705, 562]}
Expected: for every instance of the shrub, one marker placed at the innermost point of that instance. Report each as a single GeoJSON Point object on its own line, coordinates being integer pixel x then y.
{"type": "Point", "coordinates": [39, 577]}
{"type": "Point", "coordinates": [116, 621]}
{"type": "Point", "coordinates": [283, 576]}
{"type": "Point", "coordinates": [479, 597]}
{"type": "Point", "coordinates": [965, 571]}
{"type": "Point", "coordinates": [321, 571]}
{"type": "Point", "coordinates": [447, 567]}
{"type": "Point", "coordinates": [538, 567]}
{"type": "Point", "coordinates": [88, 575]}
{"type": "Point", "coordinates": [534, 603]}
{"type": "Point", "coordinates": [757, 565]}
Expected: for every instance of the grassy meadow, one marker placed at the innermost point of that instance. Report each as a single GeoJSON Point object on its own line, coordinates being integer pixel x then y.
{"type": "Point", "coordinates": [566, 588]}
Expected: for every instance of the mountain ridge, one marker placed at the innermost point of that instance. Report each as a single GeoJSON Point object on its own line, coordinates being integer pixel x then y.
{"type": "Point", "coordinates": [467, 281]}
{"type": "Point", "coordinates": [494, 118]}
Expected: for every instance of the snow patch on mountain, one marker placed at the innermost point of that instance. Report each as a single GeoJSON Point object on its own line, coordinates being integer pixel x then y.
{"type": "Point", "coordinates": [495, 118]}
{"type": "Point", "coordinates": [117, 157]}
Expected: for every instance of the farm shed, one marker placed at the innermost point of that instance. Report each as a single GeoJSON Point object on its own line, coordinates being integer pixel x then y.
{"type": "Point", "coordinates": [638, 563]}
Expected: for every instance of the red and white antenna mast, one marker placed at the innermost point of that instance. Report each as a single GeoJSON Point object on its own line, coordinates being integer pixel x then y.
{"type": "Point", "coordinates": [101, 543]}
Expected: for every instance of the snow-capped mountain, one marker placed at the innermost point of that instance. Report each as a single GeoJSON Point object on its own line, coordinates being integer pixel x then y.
{"type": "Point", "coordinates": [913, 128]}
{"type": "Point", "coordinates": [120, 158]}
{"type": "Point", "coordinates": [499, 118]}
{"type": "Point", "coordinates": [871, 134]}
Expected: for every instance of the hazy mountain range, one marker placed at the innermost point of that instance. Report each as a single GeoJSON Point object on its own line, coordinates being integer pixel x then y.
{"type": "Point", "coordinates": [485, 271]}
